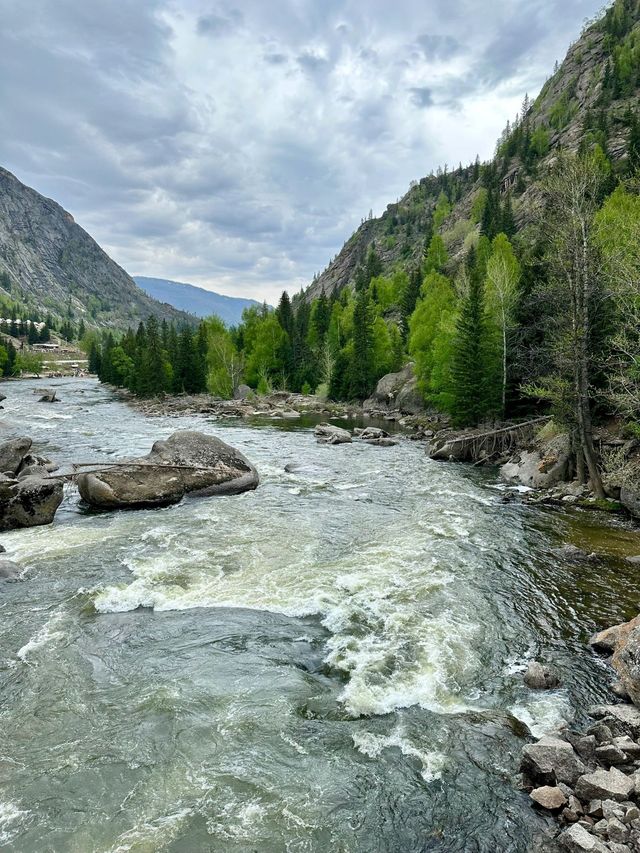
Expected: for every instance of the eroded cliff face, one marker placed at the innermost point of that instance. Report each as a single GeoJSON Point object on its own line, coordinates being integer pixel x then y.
{"type": "Point", "coordinates": [570, 97]}
{"type": "Point", "coordinates": [53, 263]}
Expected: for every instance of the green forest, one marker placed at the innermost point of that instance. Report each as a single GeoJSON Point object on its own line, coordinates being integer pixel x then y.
{"type": "Point", "coordinates": [500, 317]}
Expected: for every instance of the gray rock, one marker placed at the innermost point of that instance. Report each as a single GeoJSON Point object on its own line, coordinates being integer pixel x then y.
{"type": "Point", "coordinates": [549, 797]}
{"type": "Point", "coordinates": [632, 814]}
{"type": "Point", "coordinates": [617, 831]}
{"type": "Point", "coordinates": [628, 746]}
{"type": "Point", "coordinates": [3, 550]}
{"type": "Point", "coordinates": [605, 785]}
{"type": "Point", "coordinates": [576, 839]}
{"type": "Point", "coordinates": [541, 677]}
{"type": "Point", "coordinates": [9, 570]}
{"type": "Point", "coordinates": [585, 747]}
{"type": "Point", "coordinates": [12, 453]}
{"type": "Point", "coordinates": [552, 760]}
{"type": "Point", "coordinates": [49, 397]}
{"type": "Point", "coordinates": [620, 719]}
{"type": "Point", "coordinates": [540, 469]}
{"type": "Point", "coordinates": [614, 847]}
{"type": "Point", "coordinates": [635, 561]}
{"type": "Point", "coordinates": [626, 659]}
{"type": "Point", "coordinates": [29, 502]}
{"type": "Point", "coordinates": [242, 392]}
{"type": "Point", "coordinates": [610, 754]}
{"type": "Point", "coordinates": [397, 391]}
{"type": "Point", "coordinates": [612, 809]}
{"type": "Point", "coordinates": [594, 809]}
{"type": "Point", "coordinates": [186, 463]}
{"type": "Point", "coordinates": [630, 500]}
{"type": "Point", "coordinates": [330, 434]}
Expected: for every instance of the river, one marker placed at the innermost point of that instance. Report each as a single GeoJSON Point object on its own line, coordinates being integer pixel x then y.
{"type": "Point", "coordinates": [330, 663]}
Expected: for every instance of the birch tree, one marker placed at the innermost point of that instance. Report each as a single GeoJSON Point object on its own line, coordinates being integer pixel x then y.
{"type": "Point", "coordinates": [503, 276]}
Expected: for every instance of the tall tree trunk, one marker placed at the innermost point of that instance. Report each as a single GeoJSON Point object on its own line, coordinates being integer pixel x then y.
{"type": "Point", "coordinates": [585, 424]}
{"type": "Point", "coordinates": [504, 364]}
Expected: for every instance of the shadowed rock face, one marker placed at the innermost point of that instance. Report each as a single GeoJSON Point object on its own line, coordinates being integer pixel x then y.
{"type": "Point", "coordinates": [186, 463]}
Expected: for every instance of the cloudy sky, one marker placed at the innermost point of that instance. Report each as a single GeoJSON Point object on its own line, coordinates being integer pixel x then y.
{"type": "Point", "coordinates": [236, 145]}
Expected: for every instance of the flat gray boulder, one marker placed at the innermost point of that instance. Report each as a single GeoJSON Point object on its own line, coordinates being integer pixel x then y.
{"type": "Point", "coordinates": [578, 840]}
{"type": "Point", "coordinates": [186, 463]}
{"type": "Point", "coordinates": [551, 760]}
{"type": "Point", "coordinates": [605, 785]}
{"type": "Point", "coordinates": [330, 434]}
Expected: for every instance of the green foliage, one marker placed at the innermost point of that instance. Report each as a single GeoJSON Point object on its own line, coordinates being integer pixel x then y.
{"type": "Point", "coordinates": [436, 257]}
{"type": "Point", "coordinates": [442, 210]}
{"type": "Point", "coordinates": [431, 333]}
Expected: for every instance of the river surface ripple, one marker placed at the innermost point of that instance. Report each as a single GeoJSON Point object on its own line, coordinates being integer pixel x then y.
{"type": "Point", "coordinates": [330, 663]}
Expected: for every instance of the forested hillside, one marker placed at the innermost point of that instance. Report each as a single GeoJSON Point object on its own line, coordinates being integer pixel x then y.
{"type": "Point", "coordinates": [513, 285]}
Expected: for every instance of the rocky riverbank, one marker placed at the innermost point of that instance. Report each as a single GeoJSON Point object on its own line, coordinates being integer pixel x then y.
{"type": "Point", "coordinates": [590, 780]}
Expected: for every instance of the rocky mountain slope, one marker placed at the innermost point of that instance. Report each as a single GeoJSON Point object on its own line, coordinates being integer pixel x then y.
{"type": "Point", "coordinates": [589, 98]}
{"type": "Point", "coordinates": [195, 300]}
{"type": "Point", "coordinates": [54, 266]}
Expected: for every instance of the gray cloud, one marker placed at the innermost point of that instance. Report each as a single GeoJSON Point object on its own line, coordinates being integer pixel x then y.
{"type": "Point", "coordinates": [238, 144]}
{"type": "Point", "coordinates": [421, 96]}
{"type": "Point", "coordinates": [438, 46]}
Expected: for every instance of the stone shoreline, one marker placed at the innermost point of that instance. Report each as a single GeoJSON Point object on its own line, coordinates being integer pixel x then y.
{"type": "Point", "coordinates": [590, 780]}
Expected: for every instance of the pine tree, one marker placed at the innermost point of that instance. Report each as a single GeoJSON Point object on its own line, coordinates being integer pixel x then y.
{"type": "Point", "coordinates": [361, 365]}
{"type": "Point", "coordinates": [508, 222]}
{"type": "Point", "coordinates": [468, 368]}
{"type": "Point", "coordinates": [409, 298]}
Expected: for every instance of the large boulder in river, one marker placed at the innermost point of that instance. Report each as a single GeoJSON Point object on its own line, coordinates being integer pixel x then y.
{"type": "Point", "coordinates": [397, 391]}
{"type": "Point", "coordinates": [29, 496]}
{"type": "Point", "coordinates": [330, 434]}
{"type": "Point", "coordinates": [29, 501]}
{"type": "Point", "coordinates": [12, 453]}
{"type": "Point", "coordinates": [186, 463]}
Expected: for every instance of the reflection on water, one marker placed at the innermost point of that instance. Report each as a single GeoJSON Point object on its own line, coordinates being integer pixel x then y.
{"type": "Point", "coordinates": [333, 662]}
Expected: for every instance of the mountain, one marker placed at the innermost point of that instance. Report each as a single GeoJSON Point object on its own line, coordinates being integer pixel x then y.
{"type": "Point", "coordinates": [195, 300]}
{"type": "Point", "coordinates": [49, 264]}
{"type": "Point", "coordinates": [591, 98]}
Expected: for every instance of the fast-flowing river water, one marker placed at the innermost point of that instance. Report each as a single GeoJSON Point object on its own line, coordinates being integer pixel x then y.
{"type": "Point", "coordinates": [330, 663]}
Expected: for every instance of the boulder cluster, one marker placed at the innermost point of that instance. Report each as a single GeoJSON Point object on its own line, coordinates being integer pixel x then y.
{"type": "Point", "coordinates": [591, 780]}
{"type": "Point", "coordinates": [29, 494]}
{"type": "Point", "coordinates": [330, 434]}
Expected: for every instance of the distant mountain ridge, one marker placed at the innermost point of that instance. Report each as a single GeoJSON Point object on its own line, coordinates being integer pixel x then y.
{"type": "Point", "coordinates": [195, 300]}
{"type": "Point", "coordinates": [54, 266]}
{"type": "Point", "coordinates": [584, 101]}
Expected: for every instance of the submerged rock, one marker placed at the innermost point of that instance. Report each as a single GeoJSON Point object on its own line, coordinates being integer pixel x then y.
{"type": "Point", "coordinates": [9, 570]}
{"type": "Point", "coordinates": [330, 434]}
{"type": "Point", "coordinates": [377, 436]}
{"type": "Point", "coordinates": [49, 397]}
{"type": "Point", "coordinates": [541, 677]}
{"type": "Point", "coordinates": [186, 463]}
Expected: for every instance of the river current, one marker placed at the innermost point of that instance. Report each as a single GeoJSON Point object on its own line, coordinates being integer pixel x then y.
{"type": "Point", "coordinates": [330, 663]}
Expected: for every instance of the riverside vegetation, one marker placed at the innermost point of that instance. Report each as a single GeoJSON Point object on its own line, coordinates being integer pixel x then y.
{"type": "Point", "coordinates": [523, 299]}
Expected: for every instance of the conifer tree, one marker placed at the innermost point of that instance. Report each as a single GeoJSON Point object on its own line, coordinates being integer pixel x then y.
{"type": "Point", "coordinates": [361, 363]}
{"type": "Point", "coordinates": [468, 368]}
